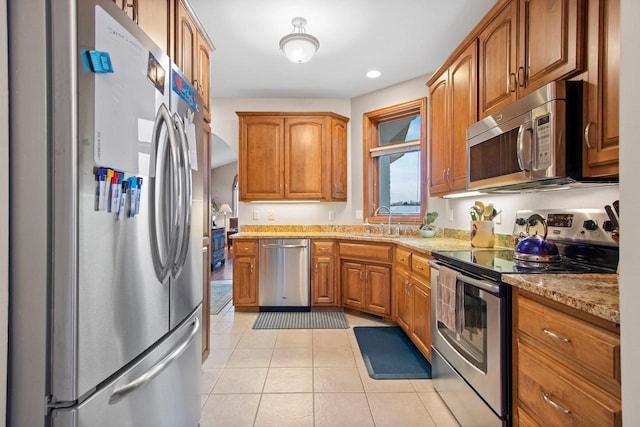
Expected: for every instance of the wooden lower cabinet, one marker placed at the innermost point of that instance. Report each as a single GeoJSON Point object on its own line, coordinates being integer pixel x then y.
{"type": "Point", "coordinates": [366, 287]}
{"type": "Point", "coordinates": [323, 274]}
{"type": "Point", "coordinates": [566, 366]}
{"type": "Point", "coordinates": [245, 274]}
{"type": "Point", "coordinates": [413, 299]}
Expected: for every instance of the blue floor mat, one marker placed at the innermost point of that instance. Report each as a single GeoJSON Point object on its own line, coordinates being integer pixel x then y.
{"type": "Point", "coordinates": [389, 354]}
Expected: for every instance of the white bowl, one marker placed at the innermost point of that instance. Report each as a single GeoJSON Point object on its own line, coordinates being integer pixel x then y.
{"type": "Point", "coordinates": [428, 233]}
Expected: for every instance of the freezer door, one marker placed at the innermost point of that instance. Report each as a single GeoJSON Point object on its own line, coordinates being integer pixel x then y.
{"type": "Point", "coordinates": [160, 390]}
{"type": "Point", "coordinates": [186, 278]}
{"type": "Point", "coordinates": [110, 307]}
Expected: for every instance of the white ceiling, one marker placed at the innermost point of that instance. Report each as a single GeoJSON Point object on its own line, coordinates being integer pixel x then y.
{"type": "Point", "coordinates": [403, 39]}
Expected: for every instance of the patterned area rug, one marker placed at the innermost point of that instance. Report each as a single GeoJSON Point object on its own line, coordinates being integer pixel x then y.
{"type": "Point", "coordinates": [221, 292]}
{"type": "Point", "coordinates": [301, 320]}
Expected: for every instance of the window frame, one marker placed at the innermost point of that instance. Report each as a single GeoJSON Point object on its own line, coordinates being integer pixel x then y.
{"type": "Point", "coordinates": [371, 121]}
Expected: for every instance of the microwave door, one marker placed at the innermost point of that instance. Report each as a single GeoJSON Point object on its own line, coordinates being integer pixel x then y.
{"type": "Point", "coordinates": [502, 155]}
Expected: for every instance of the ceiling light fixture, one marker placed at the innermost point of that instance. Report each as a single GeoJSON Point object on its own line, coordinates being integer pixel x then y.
{"type": "Point", "coordinates": [299, 46]}
{"type": "Point", "coordinates": [373, 74]}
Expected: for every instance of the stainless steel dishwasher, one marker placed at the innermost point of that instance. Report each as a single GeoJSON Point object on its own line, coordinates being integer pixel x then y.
{"type": "Point", "coordinates": [283, 279]}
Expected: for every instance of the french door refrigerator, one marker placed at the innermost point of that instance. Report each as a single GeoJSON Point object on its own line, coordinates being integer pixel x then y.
{"type": "Point", "coordinates": [106, 212]}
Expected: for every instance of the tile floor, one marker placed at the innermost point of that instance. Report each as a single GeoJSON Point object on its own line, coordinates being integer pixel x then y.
{"type": "Point", "coordinates": [304, 378]}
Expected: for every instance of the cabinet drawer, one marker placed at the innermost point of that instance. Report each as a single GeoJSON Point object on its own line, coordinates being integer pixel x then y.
{"type": "Point", "coordinates": [559, 396]}
{"type": "Point", "coordinates": [580, 342]}
{"type": "Point", "coordinates": [420, 267]}
{"type": "Point", "coordinates": [245, 247]}
{"type": "Point", "coordinates": [403, 258]}
{"type": "Point", "coordinates": [524, 420]}
{"type": "Point", "coordinates": [368, 252]}
{"type": "Point", "coordinates": [322, 248]}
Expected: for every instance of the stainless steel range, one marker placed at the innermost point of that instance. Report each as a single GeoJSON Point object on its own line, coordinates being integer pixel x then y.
{"type": "Point", "coordinates": [471, 306]}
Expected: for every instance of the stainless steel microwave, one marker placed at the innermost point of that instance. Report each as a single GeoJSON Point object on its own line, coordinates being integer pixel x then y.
{"type": "Point", "coordinates": [534, 141]}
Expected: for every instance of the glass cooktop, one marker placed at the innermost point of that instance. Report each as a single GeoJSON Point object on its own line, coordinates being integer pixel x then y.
{"type": "Point", "coordinates": [495, 262]}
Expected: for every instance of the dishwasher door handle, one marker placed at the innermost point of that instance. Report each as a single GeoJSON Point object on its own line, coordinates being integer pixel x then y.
{"type": "Point", "coordinates": [273, 246]}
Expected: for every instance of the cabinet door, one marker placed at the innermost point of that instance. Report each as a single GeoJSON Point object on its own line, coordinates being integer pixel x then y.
{"type": "Point", "coordinates": [129, 7]}
{"type": "Point", "coordinates": [245, 283]}
{"type": "Point", "coordinates": [202, 75]}
{"type": "Point", "coordinates": [464, 112]}
{"type": "Point", "coordinates": [206, 296]}
{"type": "Point", "coordinates": [602, 136]}
{"type": "Point", "coordinates": [338, 159]}
{"type": "Point", "coordinates": [440, 137]}
{"type": "Point", "coordinates": [551, 42]}
{"type": "Point", "coordinates": [378, 289]}
{"type": "Point", "coordinates": [404, 303]}
{"type": "Point", "coordinates": [323, 291]}
{"type": "Point", "coordinates": [186, 42]}
{"type": "Point", "coordinates": [421, 331]}
{"type": "Point", "coordinates": [261, 158]}
{"type": "Point", "coordinates": [353, 285]}
{"type": "Point", "coordinates": [497, 71]}
{"type": "Point", "coordinates": [153, 18]}
{"type": "Point", "coordinates": [305, 158]}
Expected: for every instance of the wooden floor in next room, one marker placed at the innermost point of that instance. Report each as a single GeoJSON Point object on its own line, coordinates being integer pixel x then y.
{"type": "Point", "coordinates": [224, 271]}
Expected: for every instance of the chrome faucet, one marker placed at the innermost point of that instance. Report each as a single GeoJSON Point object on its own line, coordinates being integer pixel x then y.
{"type": "Point", "coordinates": [389, 223]}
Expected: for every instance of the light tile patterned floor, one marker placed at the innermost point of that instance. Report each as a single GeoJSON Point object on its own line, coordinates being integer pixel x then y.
{"type": "Point", "coordinates": [303, 378]}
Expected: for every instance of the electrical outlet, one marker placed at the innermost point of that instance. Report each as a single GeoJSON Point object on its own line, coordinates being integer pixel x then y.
{"type": "Point", "coordinates": [271, 216]}
{"type": "Point", "coordinates": [450, 215]}
{"type": "Point", "coordinates": [256, 215]}
{"type": "Point", "coordinates": [359, 214]}
{"type": "Point", "coordinates": [498, 218]}
{"type": "Point", "coordinates": [332, 215]}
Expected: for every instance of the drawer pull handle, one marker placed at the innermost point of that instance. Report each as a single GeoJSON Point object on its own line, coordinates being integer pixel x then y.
{"type": "Point", "coordinates": [555, 336]}
{"type": "Point", "coordinates": [400, 259]}
{"type": "Point", "coordinates": [419, 267]}
{"type": "Point", "coordinates": [553, 404]}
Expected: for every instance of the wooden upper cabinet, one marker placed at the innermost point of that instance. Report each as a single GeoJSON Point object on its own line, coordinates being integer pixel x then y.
{"type": "Point", "coordinates": [305, 157]}
{"type": "Point", "coordinates": [202, 75]}
{"type": "Point", "coordinates": [498, 60]}
{"type": "Point", "coordinates": [261, 158]}
{"type": "Point", "coordinates": [454, 105]}
{"type": "Point", "coordinates": [152, 16]}
{"type": "Point", "coordinates": [551, 42]}
{"type": "Point", "coordinates": [338, 159]}
{"type": "Point", "coordinates": [464, 112]}
{"type": "Point", "coordinates": [439, 139]}
{"type": "Point", "coordinates": [186, 42]}
{"type": "Point", "coordinates": [602, 137]}
{"type": "Point", "coordinates": [292, 156]}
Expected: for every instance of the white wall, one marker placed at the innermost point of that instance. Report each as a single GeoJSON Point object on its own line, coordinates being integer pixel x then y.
{"type": "Point", "coordinates": [630, 179]}
{"type": "Point", "coordinates": [225, 125]}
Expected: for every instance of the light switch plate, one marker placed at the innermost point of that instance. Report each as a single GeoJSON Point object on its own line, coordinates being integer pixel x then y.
{"type": "Point", "coordinates": [256, 215]}
{"type": "Point", "coordinates": [358, 213]}
{"type": "Point", "coordinates": [332, 215]}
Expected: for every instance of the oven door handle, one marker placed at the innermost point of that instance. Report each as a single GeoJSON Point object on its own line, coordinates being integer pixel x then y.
{"type": "Point", "coordinates": [482, 284]}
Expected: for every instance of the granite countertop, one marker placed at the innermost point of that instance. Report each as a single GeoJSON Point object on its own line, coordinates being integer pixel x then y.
{"type": "Point", "coordinates": [414, 243]}
{"type": "Point", "coordinates": [596, 294]}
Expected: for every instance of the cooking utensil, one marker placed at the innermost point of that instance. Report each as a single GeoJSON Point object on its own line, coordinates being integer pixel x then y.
{"type": "Point", "coordinates": [616, 206]}
{"type": "Point", "coordinates": [487, 212]}
{"type": "Point", "coordinates": [474, 215]}
{"type": "Point", "coordinates": [612, 216]}
{"type": "Point", "coordinates": [536, 248]}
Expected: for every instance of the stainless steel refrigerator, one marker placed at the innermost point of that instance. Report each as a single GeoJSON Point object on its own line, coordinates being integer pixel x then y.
{"type": "Point", "coordinates": [106, 278]}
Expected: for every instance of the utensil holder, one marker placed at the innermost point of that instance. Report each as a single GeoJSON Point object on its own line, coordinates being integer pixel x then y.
{"type": "Point", "coordinates": [482, 234]}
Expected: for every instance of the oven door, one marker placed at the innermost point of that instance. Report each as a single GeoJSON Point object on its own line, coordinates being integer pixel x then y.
{"type": "Point", "coordinates": [501, 155]}
{"type": "Point", "coordinates": [478, 353]}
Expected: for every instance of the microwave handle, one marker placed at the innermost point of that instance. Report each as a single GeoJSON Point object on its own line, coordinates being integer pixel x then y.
{"type": "Point", "coordinates": [524, 128]}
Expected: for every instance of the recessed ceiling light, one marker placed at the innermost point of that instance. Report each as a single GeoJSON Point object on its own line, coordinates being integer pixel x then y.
{"type": "Point", "coordinates": [373, 74]}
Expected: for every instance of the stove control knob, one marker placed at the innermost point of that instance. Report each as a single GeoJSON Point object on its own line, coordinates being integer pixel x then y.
{"type": "Point", "coordinates": [607, 226]}
{"type": "Point", "coordinates": [521, 221]}
{"type": "Point", "coordinates": [590, 225]}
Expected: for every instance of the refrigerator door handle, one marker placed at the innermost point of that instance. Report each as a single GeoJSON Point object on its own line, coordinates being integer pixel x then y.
{"type": "Point", "coordinates": [162, 270]}
{"type": "Point", "coordinates": [156, 369]}
{"type": "Point", "coordinates": [187, 194]}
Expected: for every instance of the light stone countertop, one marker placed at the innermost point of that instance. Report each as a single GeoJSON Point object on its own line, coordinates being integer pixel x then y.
{"type": "Point", "coordinates": [596, 294]}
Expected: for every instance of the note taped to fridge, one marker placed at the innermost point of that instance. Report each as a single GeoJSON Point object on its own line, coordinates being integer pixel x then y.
{"type": "Point", "coordinates": [184, 90]}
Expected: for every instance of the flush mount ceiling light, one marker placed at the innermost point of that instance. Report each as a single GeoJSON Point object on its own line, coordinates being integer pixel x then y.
{"type": "Point", "coordinates": [373, 74]}
{"type": "Point", "coordinates": [299, 46]}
